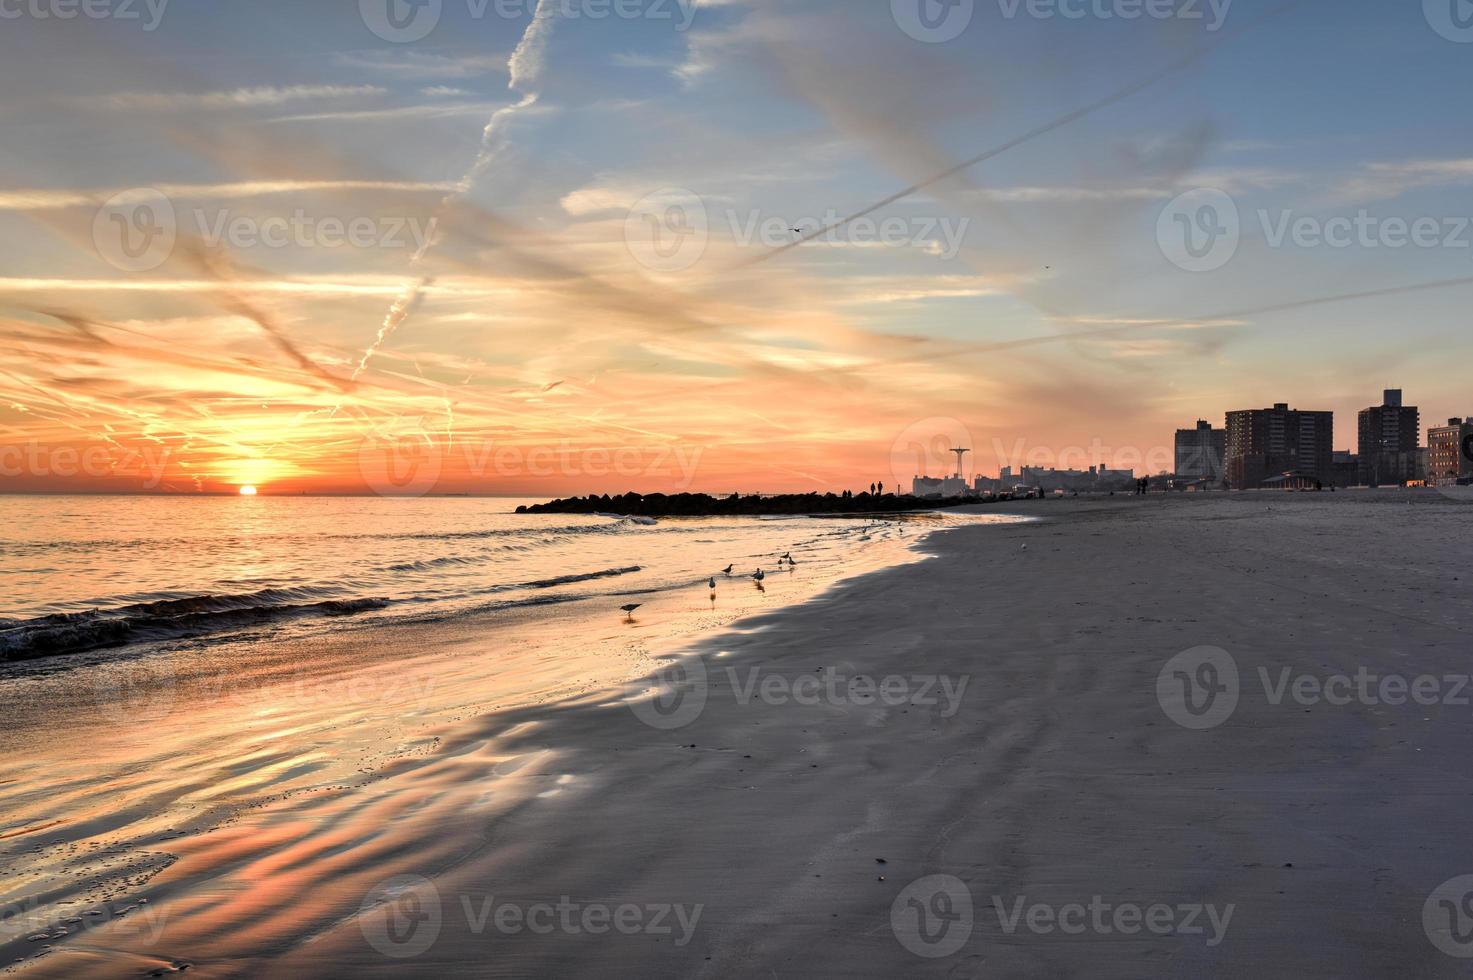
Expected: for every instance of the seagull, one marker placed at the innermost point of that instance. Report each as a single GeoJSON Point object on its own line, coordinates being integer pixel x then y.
{"type": "Point", "coordinates": [727, 569]}
{"type": "Point", "coordinates": [629, 609]}
{"type": "Point", "coordinates": [788, 556]}
{"type": "Point", "coordinates": [712, 583]}
{"type": "Point", "coordinates": [759, 575]}
{"type": "Point", "coordinates": [792, 564]}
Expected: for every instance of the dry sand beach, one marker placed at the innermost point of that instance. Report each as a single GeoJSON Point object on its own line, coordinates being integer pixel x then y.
{"type": "Point", "coordinates": [974, 765]}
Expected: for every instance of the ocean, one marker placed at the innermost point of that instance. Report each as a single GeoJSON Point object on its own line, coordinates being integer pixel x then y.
{"type": "Point", "coordinates": [90, 573]}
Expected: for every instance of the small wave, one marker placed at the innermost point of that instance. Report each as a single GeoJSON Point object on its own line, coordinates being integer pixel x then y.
{"type": "Point", "coordinates": [32, 548]}
{"type": "Point", "coordinates": [433, 563]}
{"type": "Point", "coordinates": [62, 633]}
{"type": "Point", "coordinates": [549, 583]}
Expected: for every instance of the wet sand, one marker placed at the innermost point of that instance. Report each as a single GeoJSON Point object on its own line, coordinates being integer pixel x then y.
{"type": "Point", "coordinates": [1004, 730]}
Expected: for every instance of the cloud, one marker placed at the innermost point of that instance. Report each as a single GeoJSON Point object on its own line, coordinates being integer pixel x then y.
{"type": "Point", "coordinates": [912, 289]}
{"type": "Point", "coordinates": [1381, 181]}
{"type": "Point", "coordinates": [416, 64]}
{"type": "Point", "coordinates": [630, 60]}
{"type": "Point", "coordinates": [439, 91]}
{"type": "Point", "coordinates": [240, 98]}
{"type": "Point", "coordinates": [52, 199]}
{"type": "Point", "coordinates": [598, 199]}
{"type": "Point", "coordinates": [436, 110]}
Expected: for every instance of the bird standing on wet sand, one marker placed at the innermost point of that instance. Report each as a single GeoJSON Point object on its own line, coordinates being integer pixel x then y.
{"type": "Point", "coordinates": [712, 583]}
{"type": "Point", "coordinates": [629, 609]}
{"type": "Point", "coordinates": [727, 569]}
{"type": "Point", "coordinates": [759, 575]}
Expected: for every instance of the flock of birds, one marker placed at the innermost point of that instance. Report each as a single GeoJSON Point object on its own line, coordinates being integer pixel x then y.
{"type": "Point", "coordinates": [759, 576]}
{"type": "Point", "coordinates": [785, 560]}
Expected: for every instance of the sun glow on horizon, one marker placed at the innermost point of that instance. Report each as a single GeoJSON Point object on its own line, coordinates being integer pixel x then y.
{"type": "Point", "coordinates": [247, 491]}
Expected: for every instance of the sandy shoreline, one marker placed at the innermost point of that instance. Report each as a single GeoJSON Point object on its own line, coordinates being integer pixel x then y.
{"type": "Point", "coordinates": [1023, 753]}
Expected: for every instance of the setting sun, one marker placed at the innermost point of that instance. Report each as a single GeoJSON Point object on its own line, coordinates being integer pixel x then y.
{"type": "Point", "coordinates": [247, 491]}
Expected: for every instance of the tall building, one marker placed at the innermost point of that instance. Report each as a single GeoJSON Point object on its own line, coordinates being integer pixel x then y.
{"type": "Point", "coordinates": [1265, 443]}
{"type": "Point", "coordinates": [1344, 469]}
{"type": "Point", "coordinates": [1200, 452]}
{"type": "Point", "coordinates": [1450, 453]}
{"type": "Point", "coordinates": [1390, 435]}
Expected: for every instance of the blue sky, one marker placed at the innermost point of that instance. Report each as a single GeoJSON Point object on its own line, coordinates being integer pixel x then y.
{"type": "Point", "coordinates": [1030, 297]}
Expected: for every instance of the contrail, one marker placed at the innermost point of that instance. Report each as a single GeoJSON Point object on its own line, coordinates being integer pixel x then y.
{"type": "Point", "coordinates": [1119, 96]}
{"type": "Point", "coordinates": [525, 68]}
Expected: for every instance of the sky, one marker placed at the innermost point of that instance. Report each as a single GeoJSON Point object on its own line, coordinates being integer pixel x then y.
{"type": "Point", "coordinates": [503, 246]}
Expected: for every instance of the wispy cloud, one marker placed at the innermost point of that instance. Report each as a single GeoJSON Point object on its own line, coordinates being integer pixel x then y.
{"type": "Point", "coordinates": [1379, 181]}
{"type": "Point", "coordinates": [47, 199]}
{"type": "Point", "coordinates": [632, 60]}
{"type": "Point", "coordinates": [914, 289]}
{"type": "Point", "coordinates": [417, 64]}
{"type": "Point", "coordinates": [240, 98]}
{"type": "Point", "coordinates": [436, 110]}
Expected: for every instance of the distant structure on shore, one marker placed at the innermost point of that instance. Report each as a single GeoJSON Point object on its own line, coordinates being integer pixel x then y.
{"type": "Point", "coordinates": [1450, 453]}
{"type": "Point", "coordinates": [1036, 479]}
{"type": "Point", "coordinates": [933, 487]}
{"type": "Point", "coordinates": [1285, 448]}
{"type": "Point", "coordinates": [946, 487]}
{"type": "Point", "coordinates": [1200, 454]}
{"type": "Point", "coordinates": [1279, 445]}
{"type": "Point", "coordinates": [1390, 442]}
{"type": "Point", "coordinates": [1278, 448]}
